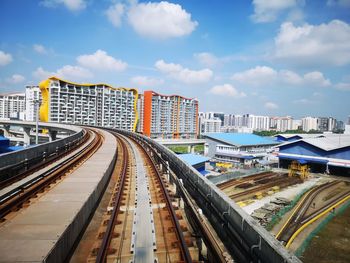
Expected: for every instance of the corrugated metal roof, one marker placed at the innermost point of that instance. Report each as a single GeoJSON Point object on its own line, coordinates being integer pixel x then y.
{"type": "Point", "coordinates": [241, 139]}
{"type": "Point", "coordinates": [301, 135]}
{"type": "Point", "coordinates": [307, 135]}
{"type": "Point", "coordinates": [327, 143]}
{"type": "Point", "coordinates": [193, 159]}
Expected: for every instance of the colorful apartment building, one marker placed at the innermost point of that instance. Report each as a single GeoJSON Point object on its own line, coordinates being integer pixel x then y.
{"type": "Point", "coordinates": [88, 104]}
{"type": "Point", "coordinates": [166, 116]}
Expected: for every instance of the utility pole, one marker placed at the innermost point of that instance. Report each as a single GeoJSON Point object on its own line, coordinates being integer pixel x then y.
{"type": "Point", "coordinates": [36, 104]}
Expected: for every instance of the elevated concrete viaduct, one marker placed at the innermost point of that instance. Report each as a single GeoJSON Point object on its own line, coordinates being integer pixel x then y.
{"type": "Point", "coordinates": [240, 233]}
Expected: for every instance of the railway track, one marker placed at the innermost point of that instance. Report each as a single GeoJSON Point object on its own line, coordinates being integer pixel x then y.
{"type": "Point", "coordinates": [282, 182]}
{"type": "Point", "coordinates": [109, 233]}
{"type": "Point", "coordinates": [151, 202]}
{"type": "Point", "coordinates": [300, 218]}
{"type": "Point", "coordinates": [256, 177]}
{"type": "Point", "coordinates": [24, 190]}
{"type": "Point", "coordinates": [15, 174]}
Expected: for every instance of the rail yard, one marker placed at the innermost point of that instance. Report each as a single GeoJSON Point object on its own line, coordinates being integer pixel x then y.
{"type": "Point", "coordinates": [289, 217]}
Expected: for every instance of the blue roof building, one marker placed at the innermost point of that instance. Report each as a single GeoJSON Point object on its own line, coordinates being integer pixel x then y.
{"type": "Point", "coordinates": [243, 148]}
{"type": "Point", "coordinates": [296, 136]}
{"type": "Point", "coordinates": [329, 153]}
{"type": "Point", "coordinates": [195, 160]}
{"type": "Point", "coordinates": [5, 146]}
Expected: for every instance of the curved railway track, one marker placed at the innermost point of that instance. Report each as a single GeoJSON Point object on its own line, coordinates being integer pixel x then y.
{"type": "Point", "coordinates": [104, 249]}
{"type": "Point", "coordinates": [8, 178]}
{"type": "Point", "coordinates": [13, 199]}
{"type": "Point", "coordinates": [300, 217]}
{"type": "Point", "coordinates": [122, 197]}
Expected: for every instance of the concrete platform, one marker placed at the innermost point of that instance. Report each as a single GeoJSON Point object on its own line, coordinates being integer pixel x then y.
{"type": "Point", "coordinates": [48, 228]}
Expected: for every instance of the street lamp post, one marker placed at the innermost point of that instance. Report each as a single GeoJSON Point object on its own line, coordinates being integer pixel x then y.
{"type": "Point", "coordinates": [36, 104]}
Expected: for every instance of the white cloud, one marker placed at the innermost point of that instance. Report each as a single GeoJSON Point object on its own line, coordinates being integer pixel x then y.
{"type": "Point", "coordinates": [72, 73]}
{"type": "Point", "coordinates": [313, 45]}
{"type": "Point", "coordinates": [15, 79]}
{"type": "Point", "coordinates": [146, 81]}
{"type": "Point", "coordinates": [115, 13]}
{"type": "Point", "coordinates": [268, 10]}
{"type": "Point", "coordinates": [5, 58]}
{"type": "Point", "coordinates": [316, 78]}
{"type": "Point", "coordinates": [340, 3]}
{"type": "Point", "coordinates": [262, 76]}
{"type": "Point", "coordinates": [160, 20]}
{"type": "Point", "coordinates": [226, 90]}
{"type": "Point", "coordinates": [290, 77]}
{"type": "Point", "coordinates": [182, 74]}
{"type": "Point", "coordinates": [271, 106]}
{"type": "Point", "coordinates": [41, 74]}
{"type": "Point", "coordinates": [40, 49]}
{"type": "Point", "coordinates": [206, 59]}
{"type": "Point", "coordinates": [343, 86]}
{"type": "Point", "coordinates": [72, 5]}
{"type": "Point", "coordinates": [303, 101]}
{"type": "Point", "coordinates": [100, 60]}
{"type": "Point", "coordinates": [257, 76]}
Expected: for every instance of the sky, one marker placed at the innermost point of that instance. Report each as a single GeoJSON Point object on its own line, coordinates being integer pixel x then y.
{"type": "Point", "coordinates": [264, 57]}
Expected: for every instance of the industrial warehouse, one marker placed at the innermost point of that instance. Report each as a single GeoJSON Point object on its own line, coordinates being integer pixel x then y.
{"type": "Point", "coordinates": [242, 148]}
{"type": "Point", "coordinates": [328, 154]}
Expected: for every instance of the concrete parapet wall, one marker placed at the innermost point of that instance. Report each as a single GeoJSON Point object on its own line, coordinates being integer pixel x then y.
{"type": "Point", "coordinates": [38, 151]}
{"type": "Point", "coordinates": [242, 235]}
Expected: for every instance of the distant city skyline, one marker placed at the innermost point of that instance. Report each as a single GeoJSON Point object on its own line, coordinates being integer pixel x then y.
{"type": "Point", "coordinates": [262, 57]}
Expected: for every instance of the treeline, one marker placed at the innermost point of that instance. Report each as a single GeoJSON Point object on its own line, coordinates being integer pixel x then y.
{"type": "Point", "coordinates": [273, 133]}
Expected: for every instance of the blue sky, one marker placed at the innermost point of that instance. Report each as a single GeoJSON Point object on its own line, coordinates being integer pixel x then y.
{"type": "Point", "coordinates": [269, 57]}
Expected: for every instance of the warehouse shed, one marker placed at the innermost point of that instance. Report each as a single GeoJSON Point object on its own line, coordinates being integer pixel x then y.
{"type": "Point", "coordinates": [330, 154]}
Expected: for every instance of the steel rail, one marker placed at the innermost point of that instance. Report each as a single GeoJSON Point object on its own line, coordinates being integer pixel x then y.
{"type": "Point", "coordinates": [184, 249]}
{"type": "Point", "coordinates": [298, 213]}
{"type": "Point", "coordinates": [325, 207]}
{"type": "Point", "coordinates": [48, 160]}
{"type": "Point", "coordinates": [336, 203]}
{"type": "Point", "coordinates": [107, 237]}
{"type": "Point", "coordinates": [22, 193]}
{"type": "Point", "coordinates": [262, 187]}
{"type": "Point", "coordinates": [244, 179]}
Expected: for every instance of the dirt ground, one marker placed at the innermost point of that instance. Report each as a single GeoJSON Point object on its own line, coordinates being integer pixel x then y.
{"type": "Point", "coordinates": [332, 243]}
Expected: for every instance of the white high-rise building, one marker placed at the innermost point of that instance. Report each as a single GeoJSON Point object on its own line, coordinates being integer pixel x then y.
{"type": "Point", "coordinates": [309, 123]}
{"type": "Point", "coordinates": [232, 120]}
{"type": "Point", "coordinates": [209, 125]}
{"type": "Point", "coordinates": [296, 124]}
{"type": "Point", "coordinates": [281, 124]}
{"type": "Point", "coordinates": [33, 95]}
{"type": "Point", "coordinates": [238, 121]}
{"type": "Point", "coordinates": [88, 104]}
{"type": "Point", "coordinates": [257, 123]}
{"type": "Point", "coordinates": [12, 106]}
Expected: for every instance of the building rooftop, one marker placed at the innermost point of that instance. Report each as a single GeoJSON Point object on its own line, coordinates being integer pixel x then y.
{"type": "Point", "coordinates": [327, 143]}
{"type": "Point", "coordinates": [13, 94]}
{"type": "Point", "coordinates": [301, 135]}
{"type": "Point", "coordinates": [193, 159]}
{"type": "Point", "coordinates": [241, 139]}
